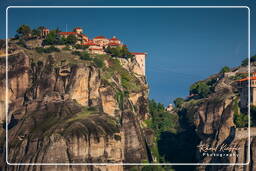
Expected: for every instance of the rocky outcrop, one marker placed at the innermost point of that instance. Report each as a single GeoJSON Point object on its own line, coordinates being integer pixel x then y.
{"type": "Point", "coordinates": [69, 114]}
{"type": "Point", "coordinates": [213, 119]}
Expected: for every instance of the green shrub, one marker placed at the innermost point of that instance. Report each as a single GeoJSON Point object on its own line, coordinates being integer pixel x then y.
{"type": "Point", "coordinates": [178, 102]}
{"type": "Point", "coordinates": [98, 62]}
{"type": "Point", "coordinates": [83, 47]}
{"type": "Point", "coordinates": [51, 49]}
{"type": "Point", "coordinates": [66, 48]}
{"type": "Point", "coordinates": [53, 38]}
{"type": "Point", "coordinates": [239, 76]}
{"type": "Point", "coordinates": [71, 40]}
{"type": "Point", "coordinates": [162, 120]}
{"type": "Point", "coordinates": [24, 30]}
{"type": "Point", "coordinates": [225, 69]}
{"type": "Point", "coordinates": [85, 56]}
{"type": "Point", "coordinates": [22, 43]}
{"type": "Point", "coordinates": [245, 61]}
{"type": "Point", "coordinates": [119, 51]}
{"type": "Point", "coordinates": [47, 50]}
{"type": "Point", "coordinates": [241, 120]}
{"type": "Point", "coordinates": [40, 50]}
{"type": "Point", "coordinates": [76, 53]}
{"type": "Point", "coordinates": [200, 88]}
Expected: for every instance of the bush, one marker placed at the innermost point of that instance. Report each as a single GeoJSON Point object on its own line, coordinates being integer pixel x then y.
{"type": "Point", "coordinates": [83, 47]}
{"type": "Point", "coordinates": [245, 61]}
{"type": "Point", "coordinates": [76, 53]}
{"type": "Point", "coordinates": [98, 62]}
{"type": "Point", "coordinates": [178, 102]}
{"type": "Point", "coordinates": [47, 50]}
{"type": "Point", "coordinates": [51, 49]}
{"type": "Point", "coordinates": [225, 69]}
{"type": "Point", "coordinates": [121, 52]}
{"type": "Point", "coordinates": [40, 50]}
{"type": "Point", "coordinates": [161, 120]}
{"type": "Point", "coordinates": [66, 48]}
{"type": "Point", "coordinates": [241, 120]}
{"type": "Point", "coordinates": [53, 38]}
{"type": "Point", "coordinates": [22, 43]}
{"type": "Point", "coordinates": [239, 76]}
{"type": "Point", "coordinates": [85, 56]}
{"type": "Point", "coordinates": [24, 30]}
{"type": "Point", "coordinates": [200, 88]}
{"type": "Point", "coordinates": [71, 40]}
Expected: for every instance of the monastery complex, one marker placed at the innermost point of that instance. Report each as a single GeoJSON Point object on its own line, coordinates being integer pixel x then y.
{"type": "Point", "coordinates": [99, 43]}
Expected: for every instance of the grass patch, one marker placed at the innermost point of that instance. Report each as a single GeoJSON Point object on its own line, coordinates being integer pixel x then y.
{"type": "Point", "coordinates": [83, 114]}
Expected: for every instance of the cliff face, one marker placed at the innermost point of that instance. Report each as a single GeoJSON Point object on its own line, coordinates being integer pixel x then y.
{"type": "Point", "coordinates": [72, 112]}
{"type": "Point", "coordinates": [213, 119]}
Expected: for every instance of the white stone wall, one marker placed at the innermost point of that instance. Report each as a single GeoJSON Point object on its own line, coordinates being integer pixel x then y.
{"type": "Point", "coordinates": [140, 58]}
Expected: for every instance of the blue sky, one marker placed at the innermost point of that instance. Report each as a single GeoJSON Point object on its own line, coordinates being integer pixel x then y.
{"type": "Point", "coordinates": [184, 45]}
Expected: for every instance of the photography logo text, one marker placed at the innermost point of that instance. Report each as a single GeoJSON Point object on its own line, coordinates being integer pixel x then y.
{"type": "Point", "coordinates": [222, 150]}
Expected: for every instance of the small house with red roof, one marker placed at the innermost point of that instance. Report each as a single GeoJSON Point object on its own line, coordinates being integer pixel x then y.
{"type": "Point", "coordinates": [45, 32]}
{"type": "Point", "coordinates": [114, 40]}
{"type": "Point", "coordinates": [78, 30]}
{"type": "Point", "coordinates": [78, 33]}
{"type": "Point", "coordinates": [243, 85]}
{"type": "Point", "coordinates": [96, 50]}
{"type": "Point", "coordinates": [101, 41]}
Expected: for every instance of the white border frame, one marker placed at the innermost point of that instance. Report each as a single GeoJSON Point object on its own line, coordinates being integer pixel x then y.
{"type": "Point", "coordinates": [141, 164]}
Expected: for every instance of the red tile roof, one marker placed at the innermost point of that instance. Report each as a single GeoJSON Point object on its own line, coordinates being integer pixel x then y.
{"type": "Point", "coordinates": [113, 44]}
{"type": "Point", "coordinates": [77, 28]}
{"type": "Point", "coordinates": [114, 38]}
{"type": "Point", "coordinates": [100, 37]}
{"type": "Point", "coordinates": [246, 79]}
{"type": "Point", "coordinates": [67, 33]}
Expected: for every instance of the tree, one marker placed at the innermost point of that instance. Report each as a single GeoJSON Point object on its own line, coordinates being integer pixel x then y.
{"type": "Point", "coordinates": [24, 30]}
{"type": "Point", "coordinates": [53, 39]}
{"type": "Point", "coordinates": [36, 32]}
{"type": "Point", "coordinates": [162, 120]}
{"type": "Point", "coordinates": [119, 51]}
{"type": "Point", "coordinates": [200, 88]}
{"type": "Point", "coordinates": [225, 69]}
{"type": "Point", "coordinates": [178, 102]}
{"type": "Point", "coordinates": [71, 40]}
{"type": "Point", "coordinates": [245, 61]}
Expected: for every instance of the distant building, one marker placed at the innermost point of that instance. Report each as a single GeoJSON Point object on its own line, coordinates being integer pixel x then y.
{"type": "Point", "coordinates": [99, 43]}
{"type": "Point", "coordinates": [115, 40]}
{"type": "Point", "coordinates": [45, 32]}
{"type": "Point", "coordinates": [78, 30]}
{"type": "Point", "coordinates": [96, 50]}
{"type": "Point", "coordinates": [78, 33]}
{"type": "Point", "coordinates": [243, 90]}
{"type": "Point", "coordinates": [169, 108]}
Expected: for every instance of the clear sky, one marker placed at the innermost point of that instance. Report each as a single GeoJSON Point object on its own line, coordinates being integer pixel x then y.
{"type": "Point", "coordinates": [184, 45]}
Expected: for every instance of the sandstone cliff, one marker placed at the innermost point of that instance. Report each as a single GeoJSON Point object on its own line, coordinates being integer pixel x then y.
{"type": "Point", "coordinates": [66, 110]}
{"type": "Point", "coordinates": [213, 120]}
